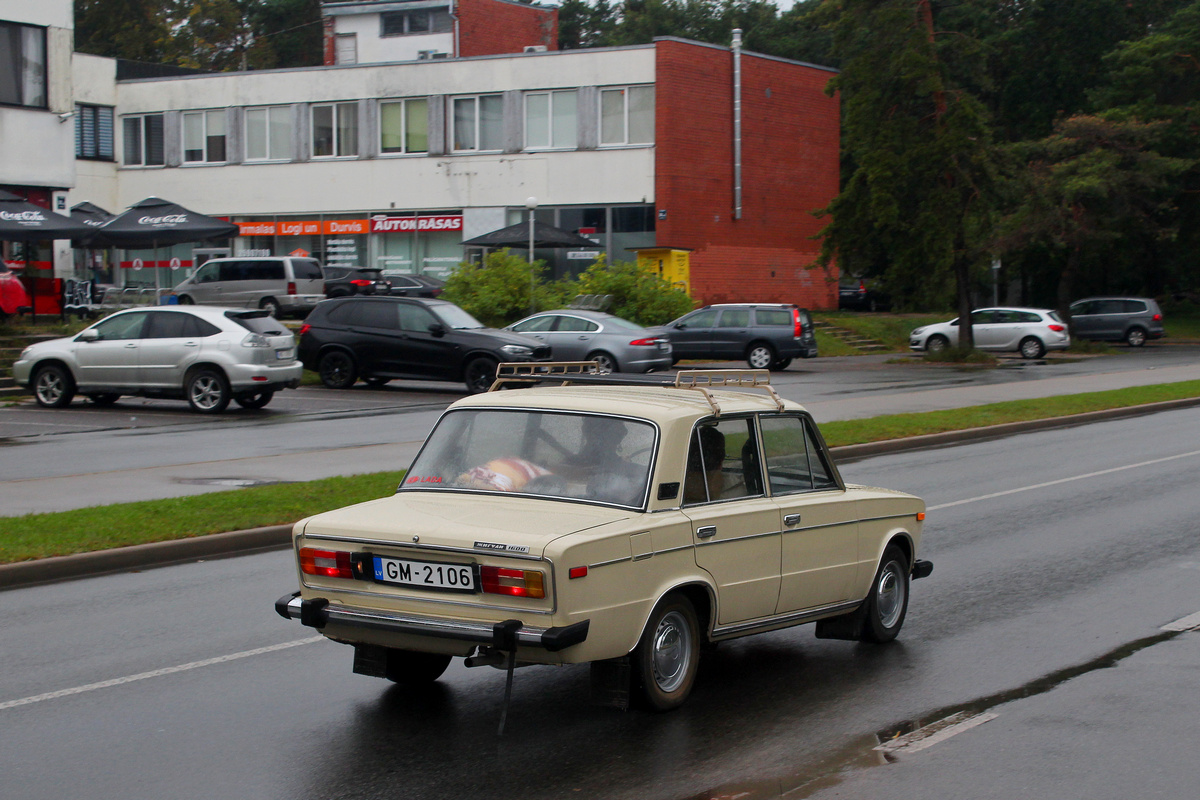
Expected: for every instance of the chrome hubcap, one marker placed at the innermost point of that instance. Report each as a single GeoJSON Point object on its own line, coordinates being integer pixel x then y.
{"type": "Point", "coordinates": [889, 594]}
{"type": "Point", "coordinates": [671, 652]}
{"type": "Point", "coordinates": [760, 358]}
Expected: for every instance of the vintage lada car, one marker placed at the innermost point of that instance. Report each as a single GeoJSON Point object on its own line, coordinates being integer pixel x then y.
{"type": "Point", "coordinates": [615, 520]}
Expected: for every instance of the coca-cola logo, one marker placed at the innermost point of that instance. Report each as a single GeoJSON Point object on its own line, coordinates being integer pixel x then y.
{"type": "Point", "coordinates": [22, 216]}
{"type": "Point", "coordinates": [169, 219]}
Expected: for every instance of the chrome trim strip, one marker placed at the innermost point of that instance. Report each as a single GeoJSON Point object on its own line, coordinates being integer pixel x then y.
{"type": "Point", "coordinates": [436, 600]}
{"type": "Point", "coordinates": [333, 537]}
{"type": "Point", "coordinates": [783, 620]}
{"type": "Point", "coordinates": [709, 542]}
{"type": "Point", "coordinates": [652, 553]}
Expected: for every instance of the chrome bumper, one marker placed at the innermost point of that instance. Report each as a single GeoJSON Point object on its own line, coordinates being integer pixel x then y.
{"type": "Point", "coordinates": [317, 612]}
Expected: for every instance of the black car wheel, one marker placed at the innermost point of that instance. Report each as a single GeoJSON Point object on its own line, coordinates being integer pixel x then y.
{"type": "Point", "coordinates": [760, 356]}
{"type": "Point", "coordinates": [337, 369]}
{"type": "Point", "coordinates": [888, 602]}
{"type": "Point", "coordinates": [207, 390]}
{"type": "Point", "coordinates": [53, 387]}
{"type": "Point", "coordinates": [479, 374]}
{"type": "Point", "coordinates": [781, 364]}
{"type": "Point", "coordinates": [668, 655]}
{"type": "Point", "coordinates": [104, 398]}
{"type": "Point", "coordinates": [253, 399]}
{"type": "Point", "coordinates": [376, 380]}
{"type": "Point", "coordinates": [270, 305]}
{"type": "Point", "coordinates": [185, 300]}
{"type": "Point", "coordinates": [1136, 337]}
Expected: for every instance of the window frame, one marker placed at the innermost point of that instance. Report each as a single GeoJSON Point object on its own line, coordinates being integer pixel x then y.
{"type": "Point", "coordinates": [431, 16]}
{"type": "Point", "coordinates": [477, 125]}
{"type": "Point", "coordinates": [85, 112]}
{"type": "Point", "coordinates": [551, 95]}
{"type": "Point", "coordinates": [144, 127]}
{"type": "Point", "coordinates": [30, 65]}
{"type": "Point", "coordinates": [267, 110]}
{"type": "Point", "coordinates": [625, 139]}
{"type": "Point", "coordinates": [337, 139]}
{"type": "Point", "coordinates": [206, 143]}
{"type": "Point", "coordinates": [405, 120]}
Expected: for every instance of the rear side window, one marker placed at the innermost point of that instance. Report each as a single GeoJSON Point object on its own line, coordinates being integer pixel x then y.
{"type": "Point", "coordinates": [794, 461]}
{"type": "Point", "coordinates": [263, 270]}
{"type": "Point", "coordinates": [375, 315]}
{"type": "Point", "coordinates": [576, 324]}
{"type": "Point", "coordinates": [1133, 306]}
{"type": "Point", "coordinates": [232, 271]}
{"type": "Point", "coordinates": [177, 325]}
{"type": "Point", "coordinates": [773, 316]}
{"type": "Point", "coordinates": [306, 269]}
{"type": "Point", "coordinates": [739, 318]}
{"type": "Point", "coordinates": [257, 321]}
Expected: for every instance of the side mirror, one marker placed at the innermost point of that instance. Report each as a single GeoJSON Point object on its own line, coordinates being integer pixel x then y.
{"type": "Point", "coordinates": [680, 325]}
{"type": "Point", "coordinates": [437, 329]}
{"type": "Point", "coordinates": [89, 335]}
{"type": "Point", "coordinates": [954, 323]}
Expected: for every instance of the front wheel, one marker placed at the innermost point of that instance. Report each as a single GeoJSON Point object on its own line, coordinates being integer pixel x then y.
{"type": "Point", "coordinates": [667, 657]}
{"type": "Point", "coordinates": [207, 391]}
{"type": "Point", "coordinates": [479, 375]}
{"type": "Point", "coordinates": [936, 344]}
{"type": "Point", "coordinates": [253, 399]}
{"type": "Point", "coordinates": [186, 300]}
{"type": "Point", "coordinates": [605, 363]}
{"type": "Point", "coordinates": [1136, 337]}
{"type": "Point", "coordinates": [888, 602]}
{"type": "Point", "coordinates": [760, 356]}
{"type": "Point", "coordinates": [104, 398]}
{"type": "Point", "coordinates": [414, 669]}
{"type": "Point", "coordinates": [53, 387]}
{"type": "Point", "coordinates": [1032, 347]}
{"type": "Point", "coordinates": [337, 369]}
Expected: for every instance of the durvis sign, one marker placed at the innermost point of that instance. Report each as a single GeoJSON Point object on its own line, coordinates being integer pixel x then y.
{"type": "Point", "coordinates": [384, 224]}
{"type": "Point", "coordinates": [23, 216]}
{"type": "Point", "coordinates": [169, 219]}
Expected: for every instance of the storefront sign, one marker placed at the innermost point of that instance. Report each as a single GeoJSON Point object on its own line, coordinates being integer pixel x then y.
{"type": "Point", "coordinates": [299, 228]}
{"type": "Point", "coordinates": [384, 224]}
{"type": "Point", "coordinates": [256, 228]}
{"type": "Point", "coordinates": [339, 226]}
{"type": "Point", "coordinates": [579, 255]}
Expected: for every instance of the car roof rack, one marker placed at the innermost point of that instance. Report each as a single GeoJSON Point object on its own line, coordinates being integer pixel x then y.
{"type": "Point", "coordinates": [565, 373]}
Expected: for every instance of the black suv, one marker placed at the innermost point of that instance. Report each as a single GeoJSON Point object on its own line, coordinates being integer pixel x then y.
{"type": "Point", "coordinates": [766, 335]}
{"type": "Point", "coordinates": [345, 281]}
{"type": "Point", "coordinates": [381, 338]}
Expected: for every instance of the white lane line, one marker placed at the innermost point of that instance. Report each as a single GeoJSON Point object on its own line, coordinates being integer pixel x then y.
{"type": "Point", "coordinates": [935, 732]}
{"type": "Point", "coordinates": [1139, 465]}
{"type": "Point", "coordinates": [141, 676]}
{"type": "Point", "coordinates": [1188, 623]}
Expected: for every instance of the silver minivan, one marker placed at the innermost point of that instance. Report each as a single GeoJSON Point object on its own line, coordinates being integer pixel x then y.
{"type": "Point", "coordinates": [280, 284]}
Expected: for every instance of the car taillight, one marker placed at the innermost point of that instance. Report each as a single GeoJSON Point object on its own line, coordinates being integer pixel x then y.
{"type": "Point", "coordinates": [1056, 328]}
{"type": "Point", "coordinates": [799, 326]}
{"type": "Point", "coordinates": [1158, 317]}
{"type": "Point", "coordinates": [326, 563]}
{"type": "Point", "coordinates": [291, 287]}
{"type": "Point", "coordinates": [512, 582]}
{"type": "Point", "coordinates": [643, 343]}
{"type": "Point", "coordinates": [305, 328]}
{"type": "Point", "coordinates": [360, 282]}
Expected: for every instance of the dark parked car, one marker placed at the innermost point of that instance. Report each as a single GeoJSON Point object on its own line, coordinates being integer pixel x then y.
{"type": "Point", "coordinates": [1132, 320]}
{"type": "Point", "coordinates": [381, 338]}
{"type": "Point", "coordinates": [857, 296]}
{"type": "Point", "coordinates": [766, 335]}
{"type": "Point", "coordinates": [415, 285]}
{"type": "Point", "coordinates": [345, 281]}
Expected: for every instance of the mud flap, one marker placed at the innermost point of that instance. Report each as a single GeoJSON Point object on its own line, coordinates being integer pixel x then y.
{"type": "Point", "coordinates": [845, 626]}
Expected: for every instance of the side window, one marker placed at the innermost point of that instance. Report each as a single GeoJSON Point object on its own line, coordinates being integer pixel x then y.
{"type": "Point", "coordinates": [306, 269]}
{"type": "Point", "coordinates": [415, 318]}
{"type": "Point", "coordinates": [576, 324]}
{"type": "Point", "coordinates": [543, 323]}
{"type": "Point", "coordinates": [701, 319]}
{"type": "Point", "coordinates": [794, 461]}
{"type": "Point", "coordinates": [1081, 309]}
{"type": "Point", "coordinates": [1133, 306]}
{"type": "Point", "coordinates": [983, 317]}
{"type": "Point", "coordinates": [734, 318]}
{"type": "Point", "coordinates": [166, 325]}
{"type": "Point", "coordinates": [1110, 307]}
{"type": "Point", "coordinates": [233, 271]}
{"type": "Point", "coordinates": [263, 271]}
{"type": "Point", "coordinates": [772, 316]}
{"type": "Point", "coordinates": [375, 315]}
{"type": "Point", "coordinates": [722, 462]}
{"type": "Point", "coordinates": [125, 326]}
{"type": "Point", "coordinates": [208, 273]}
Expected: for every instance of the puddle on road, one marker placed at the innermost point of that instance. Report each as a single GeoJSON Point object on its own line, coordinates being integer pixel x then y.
{"type": "Point", "coordinates": [862, 752]}
{"type": "Point", "coordinates": [233, 483]}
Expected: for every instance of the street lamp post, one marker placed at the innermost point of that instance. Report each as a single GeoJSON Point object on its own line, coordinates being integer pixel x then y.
{"type": "Point", "coordinates": [531, 204]}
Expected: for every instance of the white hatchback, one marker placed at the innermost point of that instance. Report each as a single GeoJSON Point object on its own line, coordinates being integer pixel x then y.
{"type": "Point", "coordinates": [1028, 331]}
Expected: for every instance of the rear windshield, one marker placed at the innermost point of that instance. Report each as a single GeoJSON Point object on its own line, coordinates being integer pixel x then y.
{"type": "Point", "coordinates": [571, 456]}
{"type": "Point", "coordinates": [306, 269]}
{"type": "Point", "coordinates": [258, 321]}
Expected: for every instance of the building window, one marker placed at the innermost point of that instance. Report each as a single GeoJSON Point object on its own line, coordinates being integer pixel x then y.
{"type": "Point", "coordinates": [627, 115]}
{"type": "Point", "coordinates": [335, 130]}
{"type": "Point", "coordinates": [478, 123]}
{"type": "Point", "coordinates": [422, 20]}
{"type": "Point", "coordinates": [404, 126]}
{"type": "Point", "coordinates": [550, 119]}
{"type": "Point", "coordinates": [143, 140]}
{"type": "Point", "coordinates": [22, 65]}
{"type": "Point", "coordinates": [269, 133]}
{"type": "Point", "coordinates": [94, 132]}
{"type": "Point", "coordinates": [204, 137]}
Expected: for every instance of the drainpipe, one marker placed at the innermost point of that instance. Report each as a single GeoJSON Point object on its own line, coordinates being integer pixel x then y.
{"type": "Point", "coordinates": [454, 16]}
{"type": "Point", "coordinates": [737, 123]}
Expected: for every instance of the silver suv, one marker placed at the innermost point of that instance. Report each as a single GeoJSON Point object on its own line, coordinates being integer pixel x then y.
{"type": "Point", "coordinates": [207, 356]}
{"type": "Point", "coordinates": [1132, 320]}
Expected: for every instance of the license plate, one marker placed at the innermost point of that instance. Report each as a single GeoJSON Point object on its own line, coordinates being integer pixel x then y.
{"type": "Point", "coordinates": [311, 300]}
{"type": "Point", "coordinates": [285, 354]}
{"type": "Point", "coordinates": [427, 574]}
{"type": "Point", "coordinates": [663, 346]}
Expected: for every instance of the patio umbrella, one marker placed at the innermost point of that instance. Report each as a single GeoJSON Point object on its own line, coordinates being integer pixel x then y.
{"type": "Point", "coordinates": [154, 222]}
{"type": "Point", "coordinates": [91, 215]}
{"type": "Point", "coordinates": [518, 236]}
{"type": "Point", "coordinates": [22, 221]}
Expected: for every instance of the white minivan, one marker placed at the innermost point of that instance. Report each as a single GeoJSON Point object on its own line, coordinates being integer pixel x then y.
{"type": "Point", "coordinates": [280, 284]}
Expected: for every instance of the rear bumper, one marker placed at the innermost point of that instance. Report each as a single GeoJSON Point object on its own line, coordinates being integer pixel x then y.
{"type": "Point", "coordinates": [317, 612]}
{"type": "Point", "coordinates": [249, 377]}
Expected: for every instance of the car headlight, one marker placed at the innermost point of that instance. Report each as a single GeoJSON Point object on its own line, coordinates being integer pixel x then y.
{"type": "Point", "coordinates": [256, 340]}
{"type": "Point", "coordinates": [517, 350]}
{"type": "Point", "coordinates": [24, 354]}
{"type": "Point", "coordinates": [917, 332]}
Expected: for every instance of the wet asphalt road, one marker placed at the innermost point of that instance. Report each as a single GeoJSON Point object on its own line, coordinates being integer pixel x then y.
{"type": "Point", "coordinates": [1052, 551]}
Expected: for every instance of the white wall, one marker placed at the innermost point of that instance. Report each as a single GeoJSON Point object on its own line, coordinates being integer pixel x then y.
{"type": "Point", "coordinates": [372, 48]}
{"type": "Point", "coordinates": [50, 13]}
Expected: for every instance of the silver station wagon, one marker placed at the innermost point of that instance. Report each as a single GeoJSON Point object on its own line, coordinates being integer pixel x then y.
{"type": "Point", "coordinates": [619, 520]}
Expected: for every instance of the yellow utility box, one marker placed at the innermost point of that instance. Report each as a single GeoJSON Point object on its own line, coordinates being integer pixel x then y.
{"type": "Point", "coordinates": [672, 264]}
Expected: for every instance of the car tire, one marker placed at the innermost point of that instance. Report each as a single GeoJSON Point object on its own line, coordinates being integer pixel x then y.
{"type": "Point", "coordinates": [1032, 347]}
{"type": "Point", "coordinates": [781, 364]}
{"type": "Point", "coordinates": [253, 399]}
{"type": "Point", "coordinates": [270, 305]}
{"type": "Point", "coordinates": [605, 362]}
{"type": "Point", "coordinates": [887, 604]}
{"type": "Point", "coordinates": [936, 343]}
{"type": "Point", "coordinates": [411, 668]}
{"type": "Point", "coordinates": [337, 370]}
{"type": "Point", "coordinates": [207, 390]}
{"type": "Point", "coordinates": [1136, 337]}
{"type": "Point", "coordinates": [104, 398]}
{"type": "Point", "coordinates": [53, 386]}
{"type": "Point", "coordinates": [479, 374]}
{"type": "Point", "coordinates": [759, 355]}
{"type": "Point", "coordinates": [186, 300]}
{"type": "Point", "coordinates": [667, 657]}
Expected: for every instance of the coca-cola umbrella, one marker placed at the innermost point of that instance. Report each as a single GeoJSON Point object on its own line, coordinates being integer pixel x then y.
{"type": "Point", "coordinates": [22, 221]}
{"type": "Point", "coordinates": [90, 214]}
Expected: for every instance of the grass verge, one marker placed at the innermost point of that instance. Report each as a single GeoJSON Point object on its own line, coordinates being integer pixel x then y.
{"type": "Point", "coordinates": [83, 530]}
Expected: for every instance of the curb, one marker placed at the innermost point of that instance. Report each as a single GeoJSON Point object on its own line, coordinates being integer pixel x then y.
{"type": "Point", "coordinates": [158, 554]}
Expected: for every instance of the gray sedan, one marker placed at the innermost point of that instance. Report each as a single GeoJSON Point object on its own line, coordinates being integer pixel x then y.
{"type": "Point", "coordinates": [617, 344]}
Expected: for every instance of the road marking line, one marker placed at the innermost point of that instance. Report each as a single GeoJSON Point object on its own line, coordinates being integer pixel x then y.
{"type": "Point", "coordinates": [141, 676]}
{"type": "Point", "coordinates": [935, 732]}
{"type": "Point", "coordinates": [1064, 480]}
{"type": "Point", "coordinates": [1188, 623]}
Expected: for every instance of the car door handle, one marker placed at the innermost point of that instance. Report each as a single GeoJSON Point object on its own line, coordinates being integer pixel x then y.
{"type": "Point", "coordinates": [706, 532]}
{"type": "Point", "coordinates": [131, 346]}
{"type": "Point", "coordinates": [791, 520]}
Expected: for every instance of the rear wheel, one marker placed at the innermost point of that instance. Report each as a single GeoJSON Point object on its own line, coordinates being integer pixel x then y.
{"type": "Point", "coordinates": [270, 305]}
{"type": "Point", "coordinates": [411, 668]}
{"type": "Point", "coordinates": [1136, 337]}
{"type": "Point", "coordinates": [376, 380]}
{"type": "Point", "coordinates": [1032, 347]}
{"type": "Point", "coordinates": [479, 374]}
{"type": "Point", "coordinates": [104, 398]}
{"type": "Point", "coordinates": [253, 399]}
{"type": "Point", "coordinates": [186, 300]}
{"type": "Point", "coordinates": [781, 364]}
{"type": "Point", "coordinates": [337, 369]}
{"type": "Point", "coordinates": [53, 387]}
{"type": "Point", "coordinates": [207, 391]}
{"type": "Point", "coordinates": [604, 362]}
{"type": "Point", "coordinates": [888, 602]}
{"type": "Point", "coordinates": [668, 655]}
{"type": "Point", "coordinates": [760, 356]}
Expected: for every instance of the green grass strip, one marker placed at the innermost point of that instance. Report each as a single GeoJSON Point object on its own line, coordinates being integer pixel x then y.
{"type": "Point", "coordinates": [83, 530]}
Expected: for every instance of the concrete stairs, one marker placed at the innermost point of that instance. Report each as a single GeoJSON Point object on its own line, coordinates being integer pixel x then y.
{"type": "Point", "coordinates": [857, 341]}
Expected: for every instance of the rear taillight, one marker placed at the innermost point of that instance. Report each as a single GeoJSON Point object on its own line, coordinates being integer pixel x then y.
{"type": "Point", "coordinates": [1158, 317]}
{"type": "Point", "coordinates": [326, 563]}
{"type": "Point", "coordinates": [360, 282]}
{"type": "Point", "coordinates": [643, 343]}
{"type": "Point", "coordinates": [512, 582]}
{"type": "Point", "coordinates": [291, 287]}
{"type": "Point", "coordinates": [305, 328]}
{"type": "Point", "coordinates": [799, 326]}
{"type": "Point", "coordinates": [1056, 328]}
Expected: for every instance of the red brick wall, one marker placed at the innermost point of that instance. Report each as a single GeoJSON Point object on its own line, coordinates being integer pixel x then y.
{"type": "Point", "coordinates": [493, 27]}
{"type": "Point", "coordinates": [789, 169]}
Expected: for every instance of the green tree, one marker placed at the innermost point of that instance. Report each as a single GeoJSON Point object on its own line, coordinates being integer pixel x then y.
{"type": "Point", "coordinates": [503, 288]}
{"type": "Point", "coordinates": [637, 294]}
{"type": "Point", "coordinates": [138, 30]}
